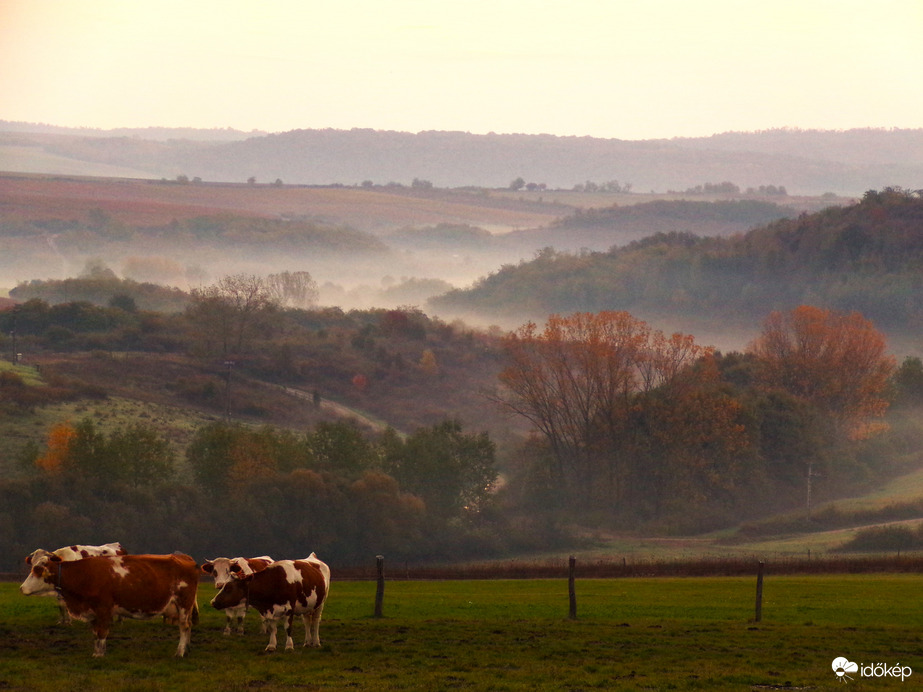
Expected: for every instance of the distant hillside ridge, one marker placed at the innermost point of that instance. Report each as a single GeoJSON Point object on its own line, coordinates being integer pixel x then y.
{"type": "Point", "coordinates": [161, 134]}
{"type": "Point", "coordinates": [804, 162]}
{"type": "Point", "coordinates": [866, 257]}
{"type": "Point", "coordinates": [603, 228]}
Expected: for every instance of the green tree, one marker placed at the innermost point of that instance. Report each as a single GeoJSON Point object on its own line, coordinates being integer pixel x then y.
{"type": "Point", "coordinates": [453, 471]}
{"type": "Point", "coordinates": [908, 381]}
{"type": "Point", "coordinates": [88, 455]}
{"type": "Point", "coordinates": [210, 456]}
{"type": "Point", "coordinates": [340, 447]}
{"type": "Point", "coordinates": [140, 455]}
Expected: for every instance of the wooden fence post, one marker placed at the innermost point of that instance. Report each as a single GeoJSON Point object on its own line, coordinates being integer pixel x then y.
{"type": "Point", "coordinates": [380, 590]}
{"type": "Point", "coordinates": [759, 592]}
{"type": "Point", "coordinates": [571, 591]}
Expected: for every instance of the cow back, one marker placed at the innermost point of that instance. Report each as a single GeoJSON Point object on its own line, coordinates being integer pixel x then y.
{"type": "Point", "coordinates": [288, 583]}
{"type": "Point", "coordinates": [138, 585]}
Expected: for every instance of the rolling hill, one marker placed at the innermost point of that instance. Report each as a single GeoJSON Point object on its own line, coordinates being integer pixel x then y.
{"type": "Point", "coordinates": [805, 162]}
{"type": "Point", "coordinates": [864, 257]}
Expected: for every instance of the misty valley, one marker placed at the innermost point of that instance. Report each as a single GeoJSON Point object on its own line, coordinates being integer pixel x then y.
{"type": "Point", "coordinates": [462, 373]}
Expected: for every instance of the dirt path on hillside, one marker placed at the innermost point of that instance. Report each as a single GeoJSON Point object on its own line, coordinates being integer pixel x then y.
{"type": "Point", "coordinates": [340, 410]}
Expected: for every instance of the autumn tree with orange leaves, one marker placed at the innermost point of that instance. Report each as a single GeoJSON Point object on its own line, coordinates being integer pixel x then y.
{"type": "Point", "coordinates": [61, 438]}
{"type": "Point", "coordinates": [620, 407]}
{"type": "Point", "coordinates": [835, 361]}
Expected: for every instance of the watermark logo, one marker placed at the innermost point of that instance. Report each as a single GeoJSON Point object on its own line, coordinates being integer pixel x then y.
{"type": "Point", "coordinates": [845, 670]}
{"type": "Point", "coordinates": [842, 667]}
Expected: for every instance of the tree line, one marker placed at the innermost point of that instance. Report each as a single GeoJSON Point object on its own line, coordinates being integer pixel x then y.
{"type": "Point", "coordinates": [253, 490]}
{"type": "Point", "coordinates": [638, 426]}
{"type": "Point", "coordinates": [630, 427]}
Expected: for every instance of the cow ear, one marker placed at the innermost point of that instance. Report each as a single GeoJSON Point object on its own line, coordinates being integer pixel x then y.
{"type": "Point", "coordinates": [208, 568]}
{"type": "Point", "coordinates": [29, 560]}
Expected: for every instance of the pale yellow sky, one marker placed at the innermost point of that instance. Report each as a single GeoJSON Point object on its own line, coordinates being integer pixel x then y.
{"type": "Point", "coordinates": [629, 69]}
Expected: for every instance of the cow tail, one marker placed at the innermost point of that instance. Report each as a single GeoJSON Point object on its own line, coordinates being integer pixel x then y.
{"type": "Point", "coordinates": [195, 612]}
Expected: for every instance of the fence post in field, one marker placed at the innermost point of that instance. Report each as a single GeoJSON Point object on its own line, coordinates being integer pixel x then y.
{"type": "Point", "coordinates": [572, 593]}
{"type": "Point", "coordinates": [759, 592]}
{"type": "Point", "coordinates": [380, 590]}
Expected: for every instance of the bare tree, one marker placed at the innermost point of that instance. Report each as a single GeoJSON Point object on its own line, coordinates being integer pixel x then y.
{"type": "Point", "coordinates": [292, 289]}
{"type": "Point", "coordinates": [229, 313]}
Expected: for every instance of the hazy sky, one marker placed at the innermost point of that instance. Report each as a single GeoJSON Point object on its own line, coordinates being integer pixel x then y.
{"type": "Point", "coordinates": [630, 69]}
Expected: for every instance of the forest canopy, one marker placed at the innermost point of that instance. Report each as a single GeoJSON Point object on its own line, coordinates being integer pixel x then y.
{"type": "Point", "coordinates": [866, 257]}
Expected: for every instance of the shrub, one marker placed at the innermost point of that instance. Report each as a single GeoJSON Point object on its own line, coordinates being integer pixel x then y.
{"type": "Point", "coordinates": [884, 538]}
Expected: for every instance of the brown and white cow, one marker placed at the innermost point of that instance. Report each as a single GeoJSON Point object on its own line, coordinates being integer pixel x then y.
{"type": "Point", "coordinates": [70, 553]}
{"type": "Point", "coordinates": [99, 589]}
{"type": "Point", "coordinates": [220, 568]}
{"type": "Point", "coordinates": [284, 589]}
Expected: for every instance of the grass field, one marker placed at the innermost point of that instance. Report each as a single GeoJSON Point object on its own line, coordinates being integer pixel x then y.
{"type": "Point", "coordinates": [631, 634]}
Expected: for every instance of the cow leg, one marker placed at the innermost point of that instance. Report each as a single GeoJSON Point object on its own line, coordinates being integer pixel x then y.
{"type": "Point", "coordinates": [101, 630]}
{"type": "Point", "coordinates": [185, 634]}
{"type": "Point", "coordinates": [306, 619]}
{"type": "Point", "coordinates": [289, 622]}
{"type": "Point", "coordinates": [241, 614]}
{"type": "Point", "coordinates": [273, 626]}
{"type": "Point", "coordinates": [314, 635]}
{"type": "Point", "coordinates": [64, 618]}
{"type": "Point", "coordinates": [228, 619]}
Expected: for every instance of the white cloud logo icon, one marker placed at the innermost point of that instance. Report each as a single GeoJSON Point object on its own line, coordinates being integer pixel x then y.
{"type": "Point", "coordinates": [842, 666]}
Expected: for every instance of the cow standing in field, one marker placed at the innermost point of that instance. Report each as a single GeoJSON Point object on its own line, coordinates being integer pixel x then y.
{"type": "Point", "coordinates": [221, 569]}
{"type": "Point", "coordinates": [69, 554]}
{"type": "Point", "coordinates": [284, 589]}
{"type": "Point", "coordinates": [99, 589]}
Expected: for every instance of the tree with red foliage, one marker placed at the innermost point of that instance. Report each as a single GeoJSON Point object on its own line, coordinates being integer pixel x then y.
{"type": "Point", "coordinates": [834, 360]}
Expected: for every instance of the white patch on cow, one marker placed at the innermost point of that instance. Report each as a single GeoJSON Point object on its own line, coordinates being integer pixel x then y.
{"type": "Point", "coordinates": [312, 599]}
{"type": "Point", "coordinates": [292, 575]}
{"type": "Point", "coordinates": [119, 567]}
{"type": "Point", "coordinates": [35, 584]}
{"type": "Point", "coordinates": [279, 610]}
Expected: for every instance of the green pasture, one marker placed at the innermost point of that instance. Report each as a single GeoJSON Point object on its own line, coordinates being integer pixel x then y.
{"type": "Point", "coordinates": [630, 634]}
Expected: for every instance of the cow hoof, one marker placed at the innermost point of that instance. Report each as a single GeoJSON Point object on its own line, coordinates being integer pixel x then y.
{"type": "Point", "coordinates": [270, 649]}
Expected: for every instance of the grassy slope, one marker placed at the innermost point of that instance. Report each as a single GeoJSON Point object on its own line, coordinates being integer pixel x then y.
{"type": "Point", "coordinates": [138, 394]}
{"type": "Point", "coordinates": [31, 159]}
{"type": "Point", "coordinates": [630, 634]}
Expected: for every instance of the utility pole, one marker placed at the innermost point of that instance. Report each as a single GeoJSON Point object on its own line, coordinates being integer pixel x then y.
{"type": "Point", "coordinates": [227, 393]}
{"type": "Point", "coordinates": [14, 356]}
{"type": "Point", "coordinates": [810, 476]}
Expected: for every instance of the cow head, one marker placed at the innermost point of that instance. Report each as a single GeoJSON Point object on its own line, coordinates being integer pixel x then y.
{"type": "Point", "coordinates": [234, 592]}
{"type": "Point", "coordinates": [38, 556]}
{"type": "Point", "coordinates": [223, 569]}
{"type": "Point", "coordinates": [41, 577]}
{"type": "Point", "coordinates": [220, 568]}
